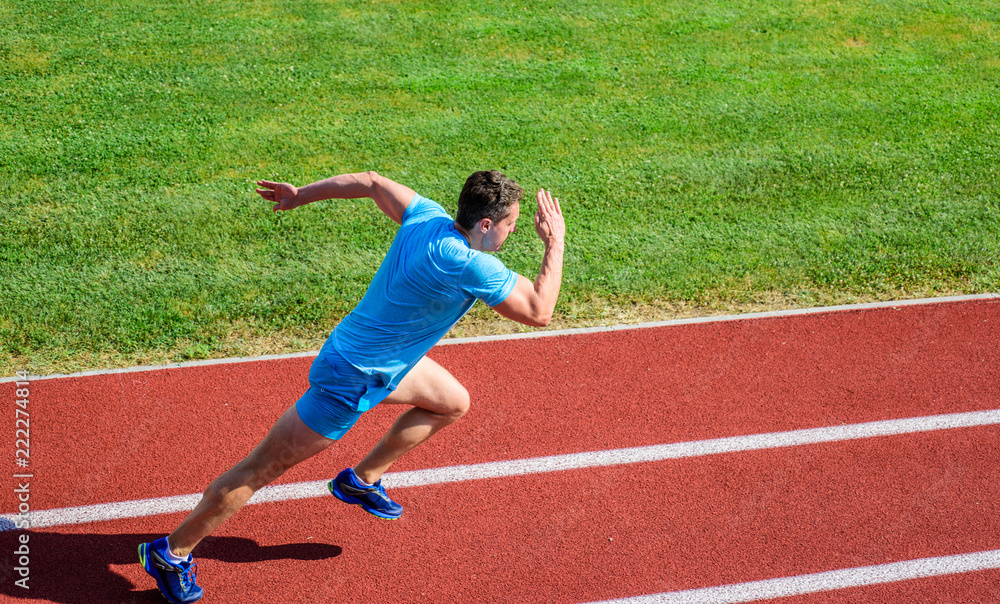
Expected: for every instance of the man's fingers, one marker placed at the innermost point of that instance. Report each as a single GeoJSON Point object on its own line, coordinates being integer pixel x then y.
{"type": "Point", "coordinates": [544, 197]}
{"type": "Point", "coordinates": [267, 192]}
{"type": "Point", "coordinates": [547, 204]}
{"type": "Point", "coordinates": [544, 201]}
{"type": "Point", "coordinates": [553, 204]}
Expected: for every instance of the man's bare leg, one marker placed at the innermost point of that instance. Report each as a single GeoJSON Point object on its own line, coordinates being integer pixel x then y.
{"type": "Point", "coordinates": [438, 400]}
{"type": "Point", "coordinates": [287, 443]}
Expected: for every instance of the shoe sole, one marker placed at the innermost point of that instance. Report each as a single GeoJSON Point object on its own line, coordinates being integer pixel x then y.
{"type": "Point", "coordinates": [336, 492]}
{"type": "Point", "coordinates": [144, 561]}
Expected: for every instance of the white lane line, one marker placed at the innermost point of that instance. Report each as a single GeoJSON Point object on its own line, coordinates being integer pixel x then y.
{"type": "Point", "coordinates": [520, 467]}
{"type": "Point", "coordinates": [826, 581]}
{"type": "Point", "coordinates": [548, 333]}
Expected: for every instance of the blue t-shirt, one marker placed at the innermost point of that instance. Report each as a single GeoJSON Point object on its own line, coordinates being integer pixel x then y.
{"type": "Point", "coordinates": [428, 280]}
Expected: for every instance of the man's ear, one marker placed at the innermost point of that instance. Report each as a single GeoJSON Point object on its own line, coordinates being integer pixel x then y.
{"type": "Point", "coordinates": [485, 224]}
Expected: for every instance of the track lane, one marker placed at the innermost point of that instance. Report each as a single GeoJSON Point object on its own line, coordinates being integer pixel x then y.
{"type": "Point", "coordinates": [518, 467]}
{"type": "Point", "coordinates": [904, 572]}
{"type": "Point", "coordinates": [531, 397]}
{"type": "Point", "coordinates": [881, 364]}
{"type": "Point", "coordinates": [585, 535]}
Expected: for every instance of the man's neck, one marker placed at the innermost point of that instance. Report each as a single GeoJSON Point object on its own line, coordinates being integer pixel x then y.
{"type": "Point", "coordinates": [465, 233]}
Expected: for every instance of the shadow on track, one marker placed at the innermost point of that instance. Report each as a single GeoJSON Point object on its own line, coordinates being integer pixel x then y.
{"type": "Point", "coordinates": [74, 569]}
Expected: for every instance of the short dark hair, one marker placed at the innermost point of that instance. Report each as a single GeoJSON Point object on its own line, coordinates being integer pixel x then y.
{"type": "Point", "coordinates": [487, 194]}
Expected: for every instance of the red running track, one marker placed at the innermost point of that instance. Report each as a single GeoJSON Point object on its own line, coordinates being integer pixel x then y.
{"type": "Point", "coordinates": [573, 536]}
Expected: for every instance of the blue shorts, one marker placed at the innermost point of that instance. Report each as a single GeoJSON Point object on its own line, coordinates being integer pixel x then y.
{"type": "Point", "coordinates": [329, 406]}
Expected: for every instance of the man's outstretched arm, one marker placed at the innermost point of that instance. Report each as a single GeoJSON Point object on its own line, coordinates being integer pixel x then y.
{"type": "Point", "coordinates": [391, 197]}
{"type": "Point", "coordinates": [533, 303]}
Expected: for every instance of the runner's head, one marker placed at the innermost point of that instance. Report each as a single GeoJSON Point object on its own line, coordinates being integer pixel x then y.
{"type": "Point", "coordinates": [487, 194]}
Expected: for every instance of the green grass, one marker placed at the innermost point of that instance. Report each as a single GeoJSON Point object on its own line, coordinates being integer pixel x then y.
{"type": "Point", "coordinates": [711, 155]}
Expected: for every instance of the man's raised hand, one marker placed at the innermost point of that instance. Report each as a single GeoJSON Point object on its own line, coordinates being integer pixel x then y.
{"type": "Point", "coordinates": [549, 222]}
{"type": "Point", "coordinates": [284, 195]}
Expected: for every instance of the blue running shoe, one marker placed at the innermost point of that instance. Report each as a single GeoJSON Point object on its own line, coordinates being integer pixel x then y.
{"type": "Point", "coordinates": [176, 581]}
{"type": "Point", "coordinates": [372, 499]}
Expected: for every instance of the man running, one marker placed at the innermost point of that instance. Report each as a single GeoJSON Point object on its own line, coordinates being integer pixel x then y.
{"type": "Point", "coordinates": [432, 275]}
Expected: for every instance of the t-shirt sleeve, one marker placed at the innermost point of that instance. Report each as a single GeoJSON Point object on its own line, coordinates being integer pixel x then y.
{"type": "Point", "coordinates": [488, 279]}
{"type": "Point", "coordinates": [420, 208]}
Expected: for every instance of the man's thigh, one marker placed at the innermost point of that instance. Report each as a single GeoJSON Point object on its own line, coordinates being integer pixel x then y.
{"type": "Point", "coordinates": [288, 442]}
{"type": "Point", "coordinates": [432, 387]}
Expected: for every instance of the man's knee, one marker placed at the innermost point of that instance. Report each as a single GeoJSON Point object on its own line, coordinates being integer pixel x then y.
{"type": "Point", "coordinates": [288, 443]}
{"type": "Point", "coordinates": [257, 470]}
{"type": "Point", "coordinates": [459, 402]}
